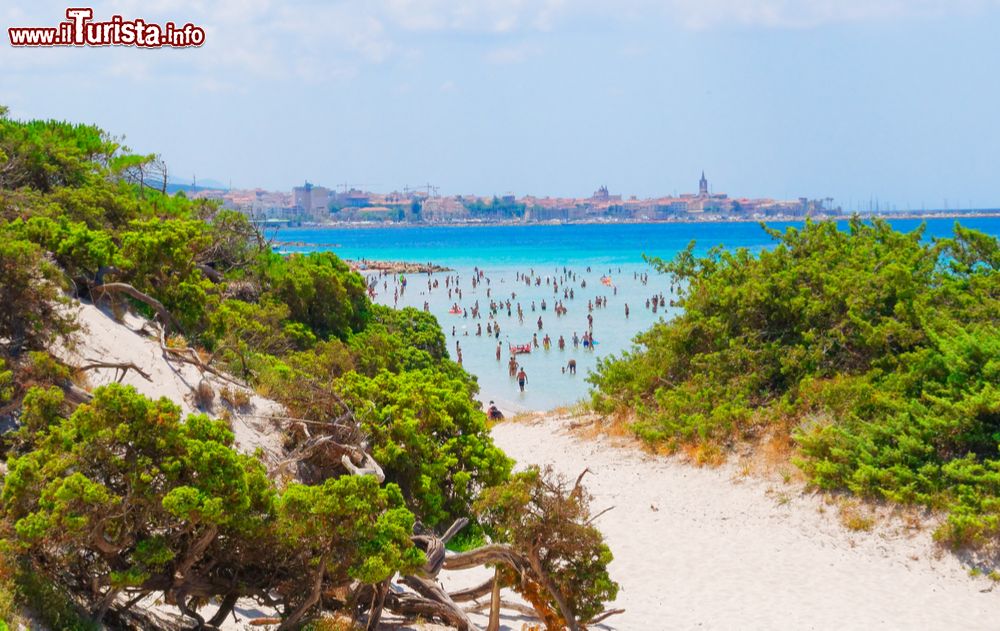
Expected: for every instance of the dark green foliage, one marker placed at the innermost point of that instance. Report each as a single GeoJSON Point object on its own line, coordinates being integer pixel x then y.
{"type": "Point", "coordinates": [320, 292]}
{"type": "Point", "coordinates": [160, 257]}
{"type": "Point", "coordinates": [404, 340]}
{"type": "Point", "coordinates": [122, 494]}
{"type": "Point", "coordinates": [362, 530]}
{"type": "Point", "coordinates": [877, 350]}
{"type": "Point", "coordinates": [125, 494]}
{"type": "Point", "coordinates": [243, 332]}
{"type": "Point", "coordinates": [46, 154]}
{"type": "Point", "coordinates": [49, 603]}
{"type": "Point", "coordinates": [495, 207]}
{"type": "Point", "coordinates": [32, 315]}
{"type": "Point", "coordinates": [430, 437]}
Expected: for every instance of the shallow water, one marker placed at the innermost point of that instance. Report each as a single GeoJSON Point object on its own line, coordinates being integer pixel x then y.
{"type": "Point", "coordinates": [504, 251]}
{"type": "Point", "coordinates": [548, 385]}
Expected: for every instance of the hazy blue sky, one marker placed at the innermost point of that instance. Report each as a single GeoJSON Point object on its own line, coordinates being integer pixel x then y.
{"type": "Point", "coordinates": [850, 99]}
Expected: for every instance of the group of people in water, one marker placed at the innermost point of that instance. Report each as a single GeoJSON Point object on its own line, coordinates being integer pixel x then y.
{"type": "Point", "coordinates": [504, 302]}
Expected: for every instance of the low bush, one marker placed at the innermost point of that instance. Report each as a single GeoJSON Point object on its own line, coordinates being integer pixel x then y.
{"type": "Point", "coordinates": [876, 350]}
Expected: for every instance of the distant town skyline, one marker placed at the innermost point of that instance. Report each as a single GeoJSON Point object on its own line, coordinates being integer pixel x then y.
{"type": "Point", "coordinates": [317, 204]}
{"type": "Point", "coordinates": [292, 197]}
{"type": "Point", "coordinates": [855, 100]}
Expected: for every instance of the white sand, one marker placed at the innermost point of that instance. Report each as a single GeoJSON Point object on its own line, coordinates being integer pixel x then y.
{"type": "Point", "coordinates": [105, 340]}
{"type": "Point", "coordinates": [694, 547]}
{"type": "Point", "coordinates": [704, 548]}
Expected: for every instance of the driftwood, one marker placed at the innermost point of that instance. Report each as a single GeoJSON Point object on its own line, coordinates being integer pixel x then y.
{"type": "Point", "coordinates": [121, 369]}
{"type": "Point", "coordinates": [434, 547]}
{"type": "Point", "coordinates": [124, 288]}
{"type": "Point", "coordinates": [188, 355]}
{"type": "Point", "coordinates": [77, 395]}
{"type": "Point", "coordinates": [472, 593]}
{"type": "Point", "coordinates": [427, 599]}
{"type": "Point", "coordinates": [524, 564]}
{"type": "Point", "coordinates": [524, 610]}
{"type": "Point", "coordinates": [495, 603]}
{"type": "Point", "coordinates": [210, 272]}
{"type": "Point", "coordinates": [592, 519]}
{"type": "Point", "coordinates": [378, 603]}
{"type": "Point", "coordinates": [604, 615]}
{"type": "Point", "coordinates": [330, 451]}
{"type": "Point", "coordinates": [430, 590]}
{"type": "Point", "coordinates": [412, 606]}
{"type": "Point", "coordinates": [368, 467]}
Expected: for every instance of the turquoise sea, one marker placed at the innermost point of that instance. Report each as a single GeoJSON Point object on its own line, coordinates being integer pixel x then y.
{"type": "Point", "coordinates": [570, 255]}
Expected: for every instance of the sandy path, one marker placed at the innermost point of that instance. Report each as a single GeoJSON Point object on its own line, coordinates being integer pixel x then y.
{"type": "Point", "coordinates": [703, 548]}
{"type": "Point", "coordinates": [694, 547]}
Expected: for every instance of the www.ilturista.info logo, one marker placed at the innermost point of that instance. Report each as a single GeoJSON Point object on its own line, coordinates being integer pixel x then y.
{"type": "Point", "coordinates": [79, 29]}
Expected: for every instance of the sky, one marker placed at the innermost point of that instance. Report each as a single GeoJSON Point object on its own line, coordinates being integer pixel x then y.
{"type": "Point", "coordinates": [894, 100]}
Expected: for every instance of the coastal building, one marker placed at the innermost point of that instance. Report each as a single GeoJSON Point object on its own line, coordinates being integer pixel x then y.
{"type": "Point", "coordinates": [542, 213]}
{"type": "Point", "coordinates": [444, 210]}
{"type": "Point", "coordinates": [310, 199]}
{"type": "Point", "coordinates": [310, 202]}
{"type": "Point", "coordinates": [602, 195]}
{"type": "Point", "coordinates": [354, 198]}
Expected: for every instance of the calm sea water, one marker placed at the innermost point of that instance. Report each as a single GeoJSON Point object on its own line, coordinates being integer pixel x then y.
{"type": "Point", "coordinates": [568, 254]}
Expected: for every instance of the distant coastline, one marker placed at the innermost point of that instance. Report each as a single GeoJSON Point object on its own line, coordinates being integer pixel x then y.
{"type": "Point", "coordinates": [370, 225]}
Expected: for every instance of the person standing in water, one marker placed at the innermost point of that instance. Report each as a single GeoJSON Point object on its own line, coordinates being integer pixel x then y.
{"type": "Point", "coordinates": [522, 378]}
{"type": "Point", "coordinates": [498, 351]}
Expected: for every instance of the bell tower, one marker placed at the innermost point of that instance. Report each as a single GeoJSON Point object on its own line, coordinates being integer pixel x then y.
{"type": "Point", "coordinates": [703, 186]}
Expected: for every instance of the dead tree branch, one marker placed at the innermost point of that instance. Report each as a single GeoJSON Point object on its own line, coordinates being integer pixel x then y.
{"type": "Point", "coordinates": [604, 615]}
{"type": "Point", "coordinates": [121, 369]}
{"type": "Point", "coordinates": [124, 288]}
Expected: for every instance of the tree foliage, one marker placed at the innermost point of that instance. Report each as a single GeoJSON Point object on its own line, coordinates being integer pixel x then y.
{"type": "Point", "coordinates": [33, 313]}
{"type": "Point", "coordinates": [119, 497]}
{"type": "Point", "coordinates": [876, 350]}
{"type": "Point", "coordinates": [430, 437]}
{"type": "Point", "coordinates": [124, 495]}
{"type": "Point", "coordinates": [320, 292]}
{"type": "Point", "coordinates": [548, 521]}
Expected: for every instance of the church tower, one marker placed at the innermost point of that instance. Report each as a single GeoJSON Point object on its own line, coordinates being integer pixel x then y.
{"type": "Point", "coordinates": [703, 186]}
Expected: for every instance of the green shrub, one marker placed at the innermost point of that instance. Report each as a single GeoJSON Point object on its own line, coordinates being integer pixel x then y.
{"type": "Point", "coordinates": [430, 437]}
{"type": "Point", "coordinates": [877, 350]}
{"type": "Point", "coordinates": [320, 291]}
{"type": "Point", "coordinates": [32, 316]}
{"type": "Point", "coordinates": [548, 521]}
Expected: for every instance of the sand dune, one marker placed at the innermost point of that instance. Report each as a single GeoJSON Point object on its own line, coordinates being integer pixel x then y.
{"type": "Point", "coordinates": [708, 549]}
{"type": "Point", "coordinates": [104, 339]}
{"type": "Point", "coordinates": [694, 547]}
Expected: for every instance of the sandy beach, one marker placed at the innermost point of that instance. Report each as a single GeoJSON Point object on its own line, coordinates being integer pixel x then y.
{"type": "Point", "coordinates": [707, 548]}
{"type": "Point", "coordinates": [695, 547]}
